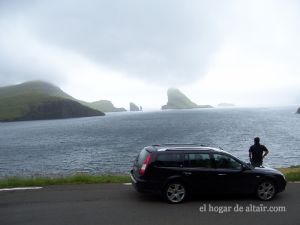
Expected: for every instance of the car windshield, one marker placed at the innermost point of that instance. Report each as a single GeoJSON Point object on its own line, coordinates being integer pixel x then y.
{"type": "Point", "coordinates": [245, 163]}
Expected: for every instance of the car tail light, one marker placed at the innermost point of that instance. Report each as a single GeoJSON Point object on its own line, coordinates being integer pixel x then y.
{"type": "Point", "coordinates": [144, 165]}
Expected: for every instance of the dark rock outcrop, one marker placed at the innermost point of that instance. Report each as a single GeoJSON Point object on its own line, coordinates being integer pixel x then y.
{"type": "Point", "coordinates": [298, 111]}
{"type": "Point", "coordinates": [58, 108]}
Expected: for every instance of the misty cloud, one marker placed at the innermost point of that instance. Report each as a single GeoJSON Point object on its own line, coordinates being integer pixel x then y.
{"type": "Point", "coordinates": [164, 41]}
{"type": "Point", "coordinates": [212, 49]}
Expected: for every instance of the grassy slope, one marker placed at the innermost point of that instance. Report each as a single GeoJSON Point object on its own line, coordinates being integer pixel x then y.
{"type": "Point", "coordinates": [14, 107]}
{"type": "Point", "coordinates": [33, 87]}
{"type": "Point", "coordinates": [105, 106]}
{"type": "Point", "coordinates": [291, 173]}
{"type": "Point", "coordinates": [16, 100]}
{"type": "Point", "coordinates": [24, 108]}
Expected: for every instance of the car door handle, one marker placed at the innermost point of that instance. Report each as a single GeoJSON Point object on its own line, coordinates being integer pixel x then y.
{"type": "Point", "coordinates": [222, 174]}
{"type": "Point", "coordinates": [187, 173]}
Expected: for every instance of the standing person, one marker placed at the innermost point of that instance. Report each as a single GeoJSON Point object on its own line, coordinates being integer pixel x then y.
{"type": "Point", "coordinates": [257, 153]}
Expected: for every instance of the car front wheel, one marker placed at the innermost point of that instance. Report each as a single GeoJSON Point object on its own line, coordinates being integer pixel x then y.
{"type": "Point", "coordinates": [266, 190]}
{"type": "Point", "coordinates": [175, 192]}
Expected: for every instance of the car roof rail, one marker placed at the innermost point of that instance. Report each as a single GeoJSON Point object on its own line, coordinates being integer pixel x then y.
{"type": "Point", "coordinates": [174, 144]}
{"type": "Point", "coordinates": [178, 144]}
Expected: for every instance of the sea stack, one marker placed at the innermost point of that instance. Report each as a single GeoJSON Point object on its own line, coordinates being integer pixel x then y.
{"type": "Point", "coordinates": [178, 100]}
{"type": "Point", "coordinates": [133, 107]}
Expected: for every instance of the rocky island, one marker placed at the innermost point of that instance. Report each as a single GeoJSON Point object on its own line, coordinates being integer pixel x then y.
{"type": "Point", "coordinates": [298, 111]}
{"type": "Point", "coordinates": [38, 100]}
{"type": "Point", "coordinates": [178, 100]}
{"type": "Point", "coordinates": [225, 104]}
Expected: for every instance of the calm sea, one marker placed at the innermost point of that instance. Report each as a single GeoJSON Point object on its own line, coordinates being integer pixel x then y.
{"type": "Point", "coordinates": [109, 144]}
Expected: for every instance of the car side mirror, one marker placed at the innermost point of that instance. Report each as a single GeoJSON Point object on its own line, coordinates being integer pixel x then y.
{"type": "Point", "coordinates": [244, 167]}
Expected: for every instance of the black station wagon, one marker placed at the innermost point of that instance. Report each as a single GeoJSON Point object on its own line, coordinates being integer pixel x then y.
{"type": "Point", "coordinates": [176, 171]}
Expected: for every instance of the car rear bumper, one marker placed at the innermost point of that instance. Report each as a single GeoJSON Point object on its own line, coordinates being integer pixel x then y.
{"type": "Point", "coordinates": [144, 186]}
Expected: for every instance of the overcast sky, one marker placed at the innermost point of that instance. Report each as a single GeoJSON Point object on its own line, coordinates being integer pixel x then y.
{"type": "Point", "coordinates": [242, 52]}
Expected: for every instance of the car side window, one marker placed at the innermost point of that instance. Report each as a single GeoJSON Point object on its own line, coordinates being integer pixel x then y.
{"type": "Point", "coordinates": [197, 160]}
{"type": "Point", "coordinates": [226, 162]}
{"type": "Point", "coordinates": [169, 160]}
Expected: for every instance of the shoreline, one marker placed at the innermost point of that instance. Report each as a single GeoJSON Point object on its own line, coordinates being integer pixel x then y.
{"type": "Point", "coordinates": [10, 182]}
{"type": "Point", "coordinates": [292, 174]}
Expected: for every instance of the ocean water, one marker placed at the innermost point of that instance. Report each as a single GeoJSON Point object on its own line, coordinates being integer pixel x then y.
{"type": "Point", "coordinates": [109, 144]}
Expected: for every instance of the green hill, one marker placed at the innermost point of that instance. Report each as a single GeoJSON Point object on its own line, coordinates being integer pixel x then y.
{"type": "Point", "coordinates": [178, 100]}
{"type": "Point", "coordinates": [105, 106]}
{"type": "Point", "coordinates": [35, 88]}
{"type": "Point", "coordinates": [40, 100]}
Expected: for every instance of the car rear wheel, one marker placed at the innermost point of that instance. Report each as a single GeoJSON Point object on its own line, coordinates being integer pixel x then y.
{"type": "Point", "coordinates": [266, 190]}
{"type": "Point", "coordinates": [175, 192]}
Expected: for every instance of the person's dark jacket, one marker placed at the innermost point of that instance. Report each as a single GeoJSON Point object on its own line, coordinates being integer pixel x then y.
{"type": "Point", "coordinates": [257, 151]}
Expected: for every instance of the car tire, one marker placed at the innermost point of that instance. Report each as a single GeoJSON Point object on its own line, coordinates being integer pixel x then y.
{"type": "Point", "coordinates": [266, 190]}
{"type": "Point", "coordinates": [175, 192]}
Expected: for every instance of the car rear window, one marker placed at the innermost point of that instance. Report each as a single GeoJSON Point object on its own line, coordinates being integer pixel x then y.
{"type": "Point", "coordinates": [169, 160]}
{"type": "Point", "coordinates": [198, 160]}
{"type": "Point", "coordinates": [142, 156]}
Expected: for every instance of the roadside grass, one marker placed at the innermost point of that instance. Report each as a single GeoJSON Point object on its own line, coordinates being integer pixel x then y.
{"type": "Point", "coordinates": [10, 182]}
{"type": "Point", "coordinates": [291, 173]}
